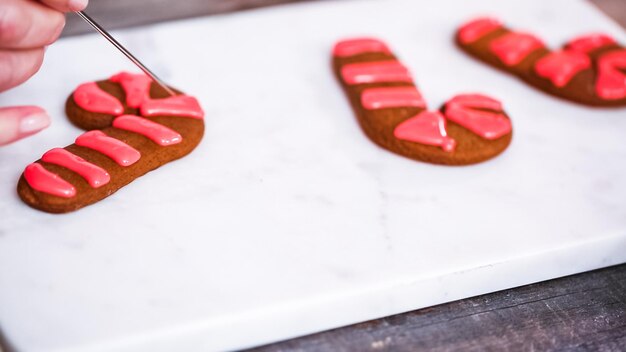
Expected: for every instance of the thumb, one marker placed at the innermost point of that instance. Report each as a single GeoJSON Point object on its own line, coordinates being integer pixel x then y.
{"type": "Point", "coordinates": [20, 122]}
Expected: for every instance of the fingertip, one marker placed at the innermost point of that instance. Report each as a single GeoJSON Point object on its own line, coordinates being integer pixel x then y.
{"type": "Point", "coordinates": [33, 123]}
{"type": "Point", "coordinates": [78, 5]}
{"type": "Point", "coordinates": [20, 122]}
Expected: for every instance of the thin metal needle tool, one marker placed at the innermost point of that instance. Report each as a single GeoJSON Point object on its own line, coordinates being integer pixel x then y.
{"type": "Point", "coordinates": [121, 48]}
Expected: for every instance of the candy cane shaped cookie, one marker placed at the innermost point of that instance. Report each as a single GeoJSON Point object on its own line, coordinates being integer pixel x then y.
{"type": "Point", "coordinates": [134, 127]}
{"type": "Point", "coordinates": [589, 70]}
{"type": "Point", "coordinates": [393, 114]}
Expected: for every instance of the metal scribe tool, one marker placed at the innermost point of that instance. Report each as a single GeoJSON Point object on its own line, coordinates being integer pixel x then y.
{"type": "Point", "coordinates": [121, 48]}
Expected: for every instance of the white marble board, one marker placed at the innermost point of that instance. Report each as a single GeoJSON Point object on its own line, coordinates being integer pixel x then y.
{"type": "Point", "coordinates": [286, 220]}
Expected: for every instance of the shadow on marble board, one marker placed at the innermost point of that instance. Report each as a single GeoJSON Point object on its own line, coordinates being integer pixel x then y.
{"type": "Point", "coordinates": [4, 344]}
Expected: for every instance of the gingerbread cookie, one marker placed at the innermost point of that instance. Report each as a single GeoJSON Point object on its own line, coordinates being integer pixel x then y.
{"type": "Point", "coordinates": [135, 127]}
{"type": "Point", "coordinates": [468, 129]}
{"type": "Point", "coordinates": [589, 70]}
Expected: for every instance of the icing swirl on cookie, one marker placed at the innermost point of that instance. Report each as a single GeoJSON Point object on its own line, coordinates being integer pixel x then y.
{"type": "Point", "coordinates": [122, 153]}
{"type": "Point", "coordinates": [93, 174]}
{"type": "Point", "coordinates": [180, 105]}
{"type": "Point", "coordinates": [611, 83]}
{"type": "Point", "coordinates": [136, 87]}
{"type": "Point", "coordinates": [561, 66]}
{"type": "Point", "coordinates": [468, 110]}
{"type": "Point", "coordinates": [478, 28]}
{"type": "Point", "coordinates": [359, 46]}
{"type": "Point", "coordinates": [392, 97]}
{"type": "Point", "coordinates": [375, 72]}
{"type": "Point", "coordinates": [428, 127]}
{"type": "Point", "coordinates": [512, 48]}
{"type": "Point", "coordinates": [45, 181]}
{"type": "Point", "coordinates": [589, 42]}
{"type": "Point", "coordinates": [158, 133]}
{"type": "Point", "coordinates": [91, 97]}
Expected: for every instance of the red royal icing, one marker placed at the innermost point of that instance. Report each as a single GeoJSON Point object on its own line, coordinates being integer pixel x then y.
{"type": "Point", "coordinates": [93, 174]}
{"type": "Point", "coordinates": [120, 152]}
{"type": "Point", "coordinates": [478, 28]}
{"type": "Point", "coordinates": [91, 98]}
{"type": "Point", "coordinates": [45, 181]}
{"type": "Point", "coordinates": [611, 82]}
{"type": "Point", "coordinates": [561, 66]}
{"type": "Point", "coordinates": [428, 127]}
{"type": "Point", "coordinates": [136, 86]}
{"type": "Point", "coordinates": [358, 46]}
{"type": "Point", "coordinates": [489, 125]}
{"type": "Point", "coordinates": [160, 134]}
{"type": "Point", "coordinates": [392, 97]}
{"type": "Point", "coordinates": [375, 72]}
{"type": "Point", "coordinates": [513, 47]}
{"type": "Point", "coordinates": [180, 105]}
{"type": "Point", "coordinates": [589, 42]}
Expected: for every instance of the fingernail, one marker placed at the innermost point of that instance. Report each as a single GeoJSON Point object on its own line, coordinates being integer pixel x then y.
{"type": "Point", "coordinates": [78, 5]}
{"type": "Point", "coordinates": [34, 123]}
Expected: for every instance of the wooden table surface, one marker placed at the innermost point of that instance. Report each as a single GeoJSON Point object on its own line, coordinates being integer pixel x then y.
{"type": "Point", "coordinates": [584, 312]}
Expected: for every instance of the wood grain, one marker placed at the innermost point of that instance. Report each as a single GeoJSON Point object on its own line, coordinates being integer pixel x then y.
{"type": "Point", "coordinates": [616, 9]}
{"type": "Point", "coordinates": [585, 312]}
{"type": "Point", "coordinates": [114, 14]}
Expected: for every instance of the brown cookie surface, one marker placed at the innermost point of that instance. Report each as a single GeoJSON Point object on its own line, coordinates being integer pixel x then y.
{"type": "Point", "coordinates": [393, 115]}
{"type": "Point", "coordinates": [589, 70]}
{"type": "Point", "coordinates": [145, 137]}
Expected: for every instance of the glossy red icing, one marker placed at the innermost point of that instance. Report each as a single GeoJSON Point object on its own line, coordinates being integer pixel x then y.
{"type": "Point", "coordinates": [489, 125]}
{"type": "Point", "coordinates": [392, 97]}
{"type": "Point", "coordinates": [91, 98]}
{"type": "Point", "coordinates": [93, 174]}
{"type": "Point", "coordinates": [159, 134]}
{"type": "Point", "coordinates": [120, 152]}
{"type": "Point", "coordinates": [611, 82]}
{"type": "Point", "coordinates": [180, 105]}
{"type": "Point", "coordinates": [589, 42]}
{"type": "Point", "coordinates": [514, 47]}
{"type": "Point", "coordinates": [428, 127]}
{"type": "Point", "coordinates": [561, 66]}
{"type": "Point", "coordinates": [358, 46]}
{"type": "Point", "coordinates": [478, 28]}
{"type": "Point", "coordinates": [375, 72]}
{"type": "Point", "coordinates": [136, 87]}
{"type": "Point", "coordinates": [45, 181]}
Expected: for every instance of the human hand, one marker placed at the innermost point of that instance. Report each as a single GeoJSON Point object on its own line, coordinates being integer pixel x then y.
{"type": "Point", "coordinates": [26, 28]}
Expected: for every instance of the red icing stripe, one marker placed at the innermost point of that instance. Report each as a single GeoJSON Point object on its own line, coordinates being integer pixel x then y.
{"type": "Point", "coordinates": [91, 98]}
{"type": "Point", "coordinates": [478, 28]}
{"type": "Point", "coordinates": [428, 127]}
{"type": "Point", "coordinates": [358, 46]}
{"type": "Point", "coordinates": [375, 72]}
{"type": "Point", "coordinates": [561, 66]}
{"type": "Point", "coordinates": [93, 174]}
{"type": "Point", "coordinates": [160, 134]}
{"type": "Point", "coordinates": [611, 82]}
{"type": "Point", "coordinates": [180, 105]}
{"type": "Point", "coordinates": [512, 48]}
{"type": "Point", "coordinates": [136, 87]}
{"type": "Point", "coordinates": [120, 152]}
{"type": "Point", "coordinates": [488, 125]}
{"type": "Point", "coordinates": [392, 97]}
{"type": "Point", "coordinates": [45, 181]}
{"type": "Point", "coordinates": [589, 42]}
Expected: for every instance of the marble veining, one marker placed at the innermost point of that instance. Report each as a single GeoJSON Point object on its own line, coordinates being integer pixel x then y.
{"type": "Point", "coordinates": [292, 221]}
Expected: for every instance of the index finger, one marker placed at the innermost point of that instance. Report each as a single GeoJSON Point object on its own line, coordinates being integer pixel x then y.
{"type": "Point", "coordinates": [27, 24]}
{"type": "Point", "coordinates": [66, 5]}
